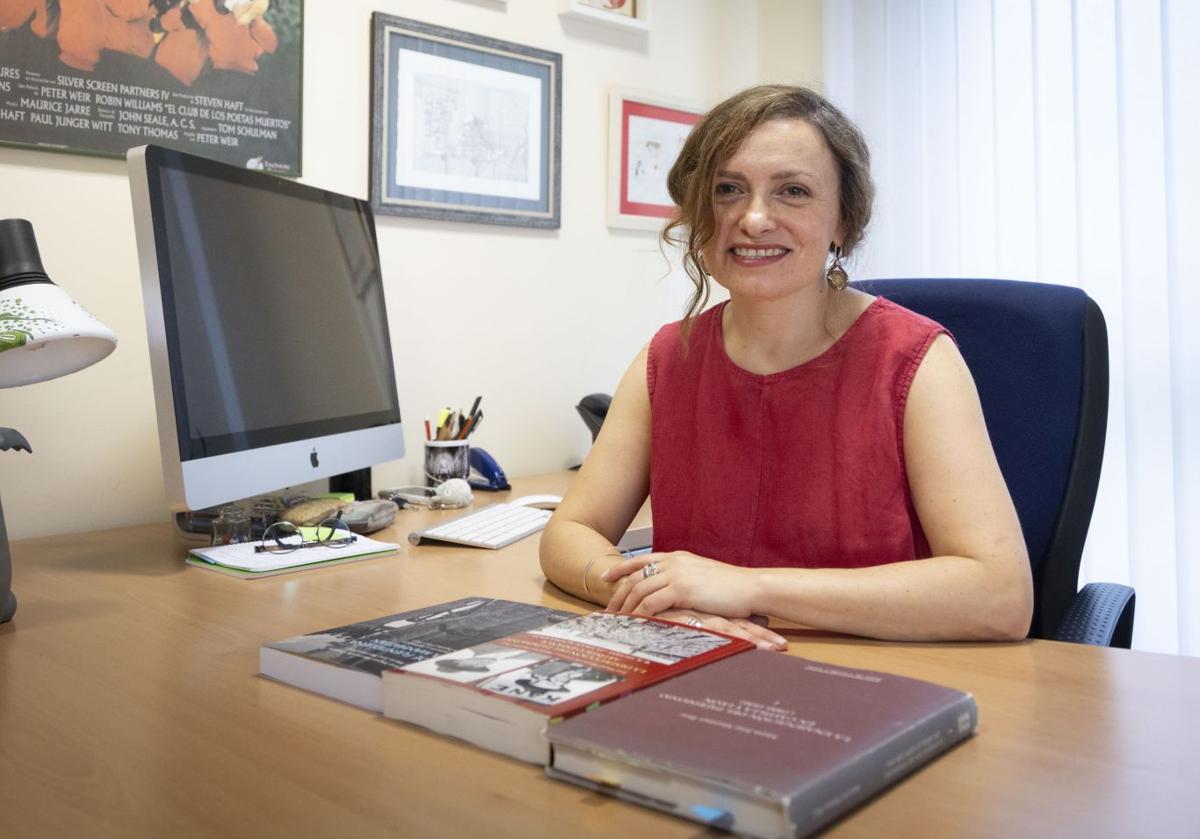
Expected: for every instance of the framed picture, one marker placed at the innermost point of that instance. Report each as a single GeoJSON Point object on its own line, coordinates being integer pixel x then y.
{"type": "Point", "coordinates": [623, 14]}
{"type": "Point", "coordinates": [210, 77]}
{"type": "Point", "coordinates": [464, 127]}
{"type": "Point", "coordinates": [645, 135]}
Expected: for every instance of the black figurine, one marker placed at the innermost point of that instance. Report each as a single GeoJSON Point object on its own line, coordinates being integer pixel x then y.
{"type": "Point", "coordinates": [10, 438]}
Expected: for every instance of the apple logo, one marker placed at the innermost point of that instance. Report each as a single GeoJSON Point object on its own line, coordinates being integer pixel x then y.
{"type": "Point", "coordinates": [312, 458]}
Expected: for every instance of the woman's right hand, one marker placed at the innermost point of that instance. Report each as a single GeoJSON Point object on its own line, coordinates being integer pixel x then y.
{"type": "Point", "coordinates": [758, 635]}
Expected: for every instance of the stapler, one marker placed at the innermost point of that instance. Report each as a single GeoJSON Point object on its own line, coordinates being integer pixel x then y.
{"type": "Point", "coordinates": [486, 473]}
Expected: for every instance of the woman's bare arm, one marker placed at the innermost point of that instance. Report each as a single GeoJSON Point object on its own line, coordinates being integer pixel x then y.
{"type": "Point", "coordinates": [611, 486]}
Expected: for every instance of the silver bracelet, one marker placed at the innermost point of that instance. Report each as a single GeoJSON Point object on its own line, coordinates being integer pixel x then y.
{"type": "Point", "coordinates": [586, 569]}
{"type": "Point", "coordinates": [613, 551]}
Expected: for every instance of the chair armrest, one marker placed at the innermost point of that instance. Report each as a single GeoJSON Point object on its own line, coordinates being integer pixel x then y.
{"type": "Point", "coordinates": [1100, 614]}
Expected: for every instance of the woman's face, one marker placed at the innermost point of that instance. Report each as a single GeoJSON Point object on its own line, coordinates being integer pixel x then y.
{"type": "Point", "coordinates": [776, 210]}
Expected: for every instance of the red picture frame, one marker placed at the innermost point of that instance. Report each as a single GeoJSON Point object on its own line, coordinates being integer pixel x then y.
{"type": "Point", "coordinates": [645, 135]}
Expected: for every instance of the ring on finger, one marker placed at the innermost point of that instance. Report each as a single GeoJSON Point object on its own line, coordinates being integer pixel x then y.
{"type": "Point", "coordinates": [649, 570]}
{"type": "Point", "coordinates": [692, 620]}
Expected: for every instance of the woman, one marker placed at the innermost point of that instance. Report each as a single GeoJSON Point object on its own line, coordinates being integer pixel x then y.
{"type": "Point", "coordinates": [811, 453]}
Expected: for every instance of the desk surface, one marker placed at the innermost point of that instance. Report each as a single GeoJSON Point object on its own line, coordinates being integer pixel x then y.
{"type": "Point", "coordinates": [130, 706]}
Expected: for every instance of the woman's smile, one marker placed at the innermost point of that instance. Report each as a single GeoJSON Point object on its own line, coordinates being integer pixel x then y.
{"type": "Point", "coordinates": [756, 256]}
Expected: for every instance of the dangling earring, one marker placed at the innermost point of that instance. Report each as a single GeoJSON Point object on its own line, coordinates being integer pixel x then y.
{"type": "Point", "coordinates": [835, 274]}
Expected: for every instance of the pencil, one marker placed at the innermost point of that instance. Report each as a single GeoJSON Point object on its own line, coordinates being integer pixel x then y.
{"type": "Point", "coordinates": [428, 430]}
{"type": "Point", "coordinates": [466, 429]}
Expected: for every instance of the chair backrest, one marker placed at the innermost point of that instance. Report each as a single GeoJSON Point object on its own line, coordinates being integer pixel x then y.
{"type": "Point", "coordinates": [1039, 355]}
{"type": "Point", "coordinates": [593, 408]}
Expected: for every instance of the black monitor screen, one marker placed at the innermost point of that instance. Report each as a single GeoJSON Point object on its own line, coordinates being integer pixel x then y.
{"type": "Point", "coordinates": [273, 307]}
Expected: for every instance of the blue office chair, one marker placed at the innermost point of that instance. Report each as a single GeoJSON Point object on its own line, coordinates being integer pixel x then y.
{"type": "Point", "coordinates": [1039, 355]}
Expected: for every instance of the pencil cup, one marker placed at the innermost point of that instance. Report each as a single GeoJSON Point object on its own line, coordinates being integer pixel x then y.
{"type": "Point", "coordinates": [446, 459]}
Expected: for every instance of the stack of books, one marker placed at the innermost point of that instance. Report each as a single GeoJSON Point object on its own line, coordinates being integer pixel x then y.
{"type": "Point", "coordinates": [678, 718]}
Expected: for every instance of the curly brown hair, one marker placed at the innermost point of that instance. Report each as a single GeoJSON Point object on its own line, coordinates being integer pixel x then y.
{"type": "Point", "coordinates": [717, 137]}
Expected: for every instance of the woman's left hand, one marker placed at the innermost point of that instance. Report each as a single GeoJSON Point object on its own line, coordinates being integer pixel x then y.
{"type": "Point", "coordinates": [680, 580]}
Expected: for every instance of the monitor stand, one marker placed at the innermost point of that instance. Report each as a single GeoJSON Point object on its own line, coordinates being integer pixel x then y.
{"type": "Point", "coordinates": [357, 482]}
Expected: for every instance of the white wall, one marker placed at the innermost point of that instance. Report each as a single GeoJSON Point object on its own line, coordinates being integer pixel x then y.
{"type": "Point", "coordinates": [790, 42]}
{"type": "Point", "coordinates": [543, 317]}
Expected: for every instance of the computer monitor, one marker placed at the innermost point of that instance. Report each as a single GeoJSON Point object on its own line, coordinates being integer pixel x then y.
{"type": "Point", "coordinates": [268, 333]}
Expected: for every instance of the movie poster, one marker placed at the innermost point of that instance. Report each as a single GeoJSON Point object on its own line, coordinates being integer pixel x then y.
{"type": "Point", "coordinates": [218, 78]}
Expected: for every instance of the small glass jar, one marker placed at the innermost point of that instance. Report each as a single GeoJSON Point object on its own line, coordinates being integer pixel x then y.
{"type": "Point", "coordinates": [231, 526]}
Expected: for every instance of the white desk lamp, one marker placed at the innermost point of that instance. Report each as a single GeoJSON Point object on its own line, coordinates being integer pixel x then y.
{"type": "Point", "coordinates": [44, 334]}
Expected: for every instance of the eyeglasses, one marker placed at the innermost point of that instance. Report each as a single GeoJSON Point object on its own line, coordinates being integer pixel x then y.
{"type": "Point", "coordinates": [283, 537]}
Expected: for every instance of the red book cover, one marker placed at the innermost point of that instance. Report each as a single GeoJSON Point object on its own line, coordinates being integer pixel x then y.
{"type": "Point", "coordinates": [502, 695]}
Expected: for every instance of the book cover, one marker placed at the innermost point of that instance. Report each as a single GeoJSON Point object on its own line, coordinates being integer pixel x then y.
{"type": "Point", "coordinates": [345, 662]}
{"type": "Point", "coordinates": [763, 744]}
{"type": "Point", "coordinates": [502, 695]}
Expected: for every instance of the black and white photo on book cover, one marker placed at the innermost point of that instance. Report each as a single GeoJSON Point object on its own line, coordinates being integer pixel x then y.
{"type": "Point", "coordinates": [474, 663]}
{"type": "Point", "coordinates": [550, 681]}
{"type": "Point", "coordinates": [512, 671]}
{"type": "Point", "coordinates": [661, 642]}
{"type": "Point", "coordinates": [395, 640]}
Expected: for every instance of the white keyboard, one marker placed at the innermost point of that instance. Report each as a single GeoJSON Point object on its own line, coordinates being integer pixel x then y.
{"type": "Point", "coordinates": [493, 526]}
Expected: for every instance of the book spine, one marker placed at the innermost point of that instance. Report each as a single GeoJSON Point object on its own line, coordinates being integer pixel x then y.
{"type": "Point", "coordinates": [873, 771]}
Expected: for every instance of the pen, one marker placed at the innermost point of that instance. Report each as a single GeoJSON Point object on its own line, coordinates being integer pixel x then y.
{"type": "Point", "coordinates": [466, 429]}
{"type": "Point", "coordinates": [428, 431]}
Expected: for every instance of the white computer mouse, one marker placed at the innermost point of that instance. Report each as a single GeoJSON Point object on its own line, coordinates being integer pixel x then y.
{"type": "Point", "coordinates": [542, 502]}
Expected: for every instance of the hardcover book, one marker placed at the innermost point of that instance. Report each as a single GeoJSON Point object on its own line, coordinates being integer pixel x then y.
{"type": "Point", "coordinates": [502, 695]}
{"type": "Point", "coordinates": [763, 744]}
{"type": "Point", "coordinates": [346, 662]}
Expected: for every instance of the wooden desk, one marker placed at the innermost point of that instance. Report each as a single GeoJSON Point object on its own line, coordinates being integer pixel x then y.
{"type": "Point", "coordinates": [130, 706]}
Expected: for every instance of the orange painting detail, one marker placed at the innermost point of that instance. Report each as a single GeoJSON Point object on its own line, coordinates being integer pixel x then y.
{"type": "Point", "coordinates": [185, 37]}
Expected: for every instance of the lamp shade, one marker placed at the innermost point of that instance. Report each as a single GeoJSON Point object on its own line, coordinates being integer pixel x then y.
{"type": "Point", "coordinates": [43, 332]}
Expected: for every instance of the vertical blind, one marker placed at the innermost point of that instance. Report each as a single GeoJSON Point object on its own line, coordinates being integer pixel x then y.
{"type": "Point", "coordinates": [1058, 141]}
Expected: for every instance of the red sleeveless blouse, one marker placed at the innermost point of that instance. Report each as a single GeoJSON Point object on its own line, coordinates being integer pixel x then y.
{"type": "Point", "coordinates": [802, 468]}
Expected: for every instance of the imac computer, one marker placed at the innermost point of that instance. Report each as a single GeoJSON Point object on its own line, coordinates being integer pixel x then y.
{"type": "Point", "coordinates": [268, 334]}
